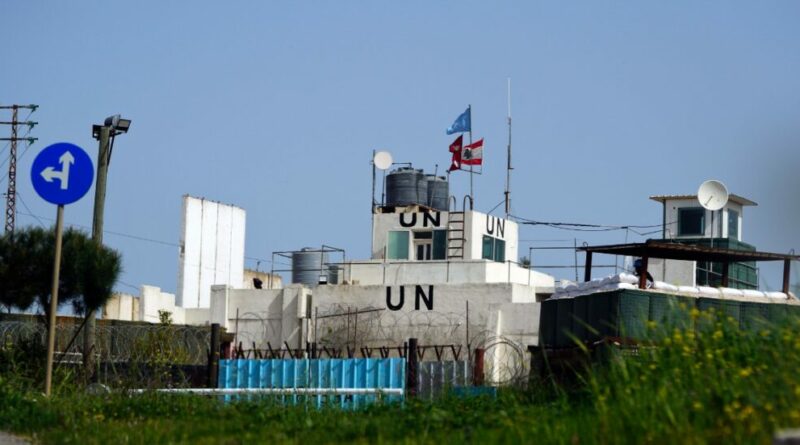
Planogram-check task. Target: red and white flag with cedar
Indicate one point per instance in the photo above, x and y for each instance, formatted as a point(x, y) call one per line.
point(472, 154)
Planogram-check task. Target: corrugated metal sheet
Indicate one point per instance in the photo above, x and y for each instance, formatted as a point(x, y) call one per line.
point(436, 377)
point(339, 374)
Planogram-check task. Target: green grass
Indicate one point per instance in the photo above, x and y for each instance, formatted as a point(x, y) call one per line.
point(709, 384)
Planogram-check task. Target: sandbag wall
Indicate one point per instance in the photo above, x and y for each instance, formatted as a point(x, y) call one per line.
point(626, 313)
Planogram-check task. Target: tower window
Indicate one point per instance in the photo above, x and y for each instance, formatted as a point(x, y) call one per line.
point(691, 221)
point(733, 224)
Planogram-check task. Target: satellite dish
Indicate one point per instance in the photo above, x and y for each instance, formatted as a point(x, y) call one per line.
point(382, 160)
point(712, 195)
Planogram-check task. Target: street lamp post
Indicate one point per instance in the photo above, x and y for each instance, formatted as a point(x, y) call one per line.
point(104, 134)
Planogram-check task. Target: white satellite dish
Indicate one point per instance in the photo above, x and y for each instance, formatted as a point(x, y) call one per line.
point(382, 160)
point(713, 195)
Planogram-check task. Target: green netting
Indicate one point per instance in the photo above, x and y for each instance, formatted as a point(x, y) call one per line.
point(777, 313)
point(730, 308)
point(564, 318)
point(580, 321)
point(633, 311)
point(603, 313)
point(754, 316)
point(670, 311)
point(547, 323)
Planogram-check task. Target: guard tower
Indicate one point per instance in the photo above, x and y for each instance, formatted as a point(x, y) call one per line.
point(686, 221)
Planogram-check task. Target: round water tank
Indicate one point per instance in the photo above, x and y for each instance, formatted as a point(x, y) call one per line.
point(438, 191)
point(406, 186)
point(307, 266)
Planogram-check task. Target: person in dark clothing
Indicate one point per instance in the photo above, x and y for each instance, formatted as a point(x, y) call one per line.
point(639, 270)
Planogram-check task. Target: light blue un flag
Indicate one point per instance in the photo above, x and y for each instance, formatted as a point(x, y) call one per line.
point(462, 123)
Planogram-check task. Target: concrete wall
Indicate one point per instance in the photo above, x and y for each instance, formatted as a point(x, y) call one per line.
point(679, 273)
point(122, 306)
point(479, 224)
point(212, 250)
point(434, 313)
point(476, 225)
point(273, 281)
point(383, 223)
point(152, 300)
point(454, 272)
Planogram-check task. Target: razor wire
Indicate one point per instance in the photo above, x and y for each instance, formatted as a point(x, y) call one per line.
point(506, 361)
point(185, 345)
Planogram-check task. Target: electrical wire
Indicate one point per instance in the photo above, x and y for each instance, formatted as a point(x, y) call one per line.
point(22, 201)
point(582, 227)
point(124, 235)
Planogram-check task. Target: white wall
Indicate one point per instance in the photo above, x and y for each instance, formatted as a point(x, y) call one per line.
point(480, 224)
point(454, 272)
point(383, 223)
point(679, 273)
point(212, 250)
point(476, 225)
point(152, 300)
point(673, 205)
point(278, 315)
point(121, 307)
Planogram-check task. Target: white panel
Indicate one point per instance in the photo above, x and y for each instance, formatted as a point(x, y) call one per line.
point(207, 252)
point(238, 221)
point(213, 239)
point(223, 248)
point(189, 262)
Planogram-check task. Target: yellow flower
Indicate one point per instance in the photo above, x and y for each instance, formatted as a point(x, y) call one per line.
point(745, 372)
point(717, 334)
point(697, 406)
point(694, 313)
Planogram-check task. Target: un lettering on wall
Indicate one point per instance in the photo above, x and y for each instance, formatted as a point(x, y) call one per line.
point(212, 250)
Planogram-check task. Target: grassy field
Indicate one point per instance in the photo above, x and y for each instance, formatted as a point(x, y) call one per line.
point(711, 383)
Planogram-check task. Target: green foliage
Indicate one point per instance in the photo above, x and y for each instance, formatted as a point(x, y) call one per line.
point(87, 276)
point(154, 355)
point(710, 383)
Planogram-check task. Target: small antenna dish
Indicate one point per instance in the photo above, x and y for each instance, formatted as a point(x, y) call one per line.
point(713, 195)
point(382, 160)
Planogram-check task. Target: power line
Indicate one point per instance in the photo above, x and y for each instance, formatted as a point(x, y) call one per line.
point(29, 210)
point(583, 227)
point(126, 235)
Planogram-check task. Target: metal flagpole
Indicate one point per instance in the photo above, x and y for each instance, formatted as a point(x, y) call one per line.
point(471, 195)
point(508, 168)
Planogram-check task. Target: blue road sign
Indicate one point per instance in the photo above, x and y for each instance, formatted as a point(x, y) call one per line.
point(62, 173)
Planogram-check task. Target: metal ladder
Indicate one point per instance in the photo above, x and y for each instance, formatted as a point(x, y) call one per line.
point(455, 235)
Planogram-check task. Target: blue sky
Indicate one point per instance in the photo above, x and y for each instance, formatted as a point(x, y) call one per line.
point(277, 106)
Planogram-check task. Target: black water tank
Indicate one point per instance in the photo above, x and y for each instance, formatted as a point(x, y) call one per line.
point(406, 186)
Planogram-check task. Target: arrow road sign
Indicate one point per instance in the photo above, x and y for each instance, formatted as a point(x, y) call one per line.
point(62, 173)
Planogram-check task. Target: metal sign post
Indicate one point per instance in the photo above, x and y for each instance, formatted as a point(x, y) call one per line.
point(61, 174)
point(51, 329)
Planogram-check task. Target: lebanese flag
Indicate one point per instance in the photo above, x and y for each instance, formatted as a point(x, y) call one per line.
point(455, 148)
point(473, 153)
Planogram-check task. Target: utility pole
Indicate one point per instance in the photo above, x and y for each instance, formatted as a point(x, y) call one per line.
point(105, 134)
point(11, 194)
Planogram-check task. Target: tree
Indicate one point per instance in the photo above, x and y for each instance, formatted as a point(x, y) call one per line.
point(86, 280)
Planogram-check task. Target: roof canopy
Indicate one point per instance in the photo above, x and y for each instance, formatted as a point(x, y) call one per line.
point(732, 198)
point(676, 251)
